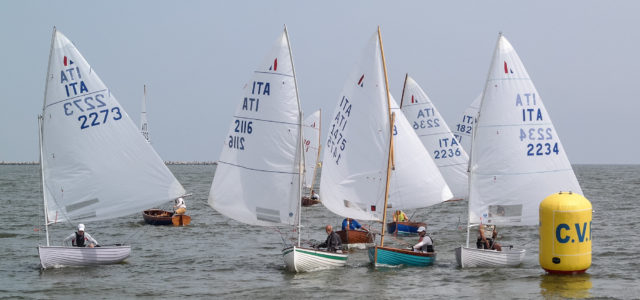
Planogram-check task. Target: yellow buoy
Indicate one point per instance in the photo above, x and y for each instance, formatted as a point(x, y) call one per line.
point(565, 233)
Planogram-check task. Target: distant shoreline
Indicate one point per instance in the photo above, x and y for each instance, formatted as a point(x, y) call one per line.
point(18, 163)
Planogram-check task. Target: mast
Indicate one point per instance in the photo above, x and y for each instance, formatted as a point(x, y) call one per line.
point(300, 138)
point(144, 123)
point(473, 137)
point(315, 169)
point(390, 154)
point(404, 86)
point(41, 137)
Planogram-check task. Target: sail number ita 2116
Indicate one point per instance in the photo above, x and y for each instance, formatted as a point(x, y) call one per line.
point(241, 127)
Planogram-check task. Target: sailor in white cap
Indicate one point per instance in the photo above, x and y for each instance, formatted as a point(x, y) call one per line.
point(425, 244)
point(81, 238)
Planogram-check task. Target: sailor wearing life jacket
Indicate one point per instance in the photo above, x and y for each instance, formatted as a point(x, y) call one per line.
point(425, 244)
point(81, 238)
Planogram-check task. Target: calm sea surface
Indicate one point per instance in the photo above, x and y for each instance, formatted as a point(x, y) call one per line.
point(219, 257)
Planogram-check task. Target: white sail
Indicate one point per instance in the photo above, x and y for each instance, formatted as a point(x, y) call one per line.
point(144, 125)
point(256, 181)
point(463, 130)
point(95, 163)
point(355, 159)
point(517, 159)
point(311, 147)
point(416, 180)
point(436, 137)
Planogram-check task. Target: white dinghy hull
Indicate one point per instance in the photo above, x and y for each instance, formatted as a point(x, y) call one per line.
point(305, 260)
point(58, 256)
point(472, 257)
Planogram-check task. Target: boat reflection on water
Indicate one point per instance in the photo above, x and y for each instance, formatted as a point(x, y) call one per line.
point(565, 286)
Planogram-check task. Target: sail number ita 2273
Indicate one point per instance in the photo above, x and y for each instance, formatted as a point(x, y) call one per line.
point(91, 110)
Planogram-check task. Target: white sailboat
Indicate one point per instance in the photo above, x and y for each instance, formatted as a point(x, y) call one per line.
point(94, 163)
point(144, 124)
point(364, 144)
point(311, 146)
point(463, 130)
point(258, 180)
point(436, 137)
point(516, 160)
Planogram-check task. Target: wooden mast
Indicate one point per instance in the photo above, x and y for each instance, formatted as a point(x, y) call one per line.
point(404, 86)
point(390, 154)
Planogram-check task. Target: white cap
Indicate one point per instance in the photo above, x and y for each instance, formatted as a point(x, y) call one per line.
point(80, 227)
point(421, 229)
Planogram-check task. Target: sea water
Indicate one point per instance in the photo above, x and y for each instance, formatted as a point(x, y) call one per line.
point(218, 257)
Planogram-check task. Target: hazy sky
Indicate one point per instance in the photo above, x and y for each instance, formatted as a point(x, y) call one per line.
point(195, 57)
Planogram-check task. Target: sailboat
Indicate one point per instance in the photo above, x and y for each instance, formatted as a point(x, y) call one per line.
point(94, 163)
point(311, 133)
point(516, 160)
point(258, 180)
point(463, 130)
point(436, 137)
point(156, 216)
point(144, 124)
point(364, 145)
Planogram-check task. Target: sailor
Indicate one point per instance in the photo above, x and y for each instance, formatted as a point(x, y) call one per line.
point(425, 244)
point(81, 238)
point(351, 224)
point(179, 208)
point(333, 242)
point(485, 242)
point(400, 216)
point(314, 195)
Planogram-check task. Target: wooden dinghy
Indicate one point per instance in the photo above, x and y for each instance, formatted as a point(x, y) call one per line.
point(163, 217)
point(388, 256)
point(356, 238)
point(307, 201)
point(404, 227)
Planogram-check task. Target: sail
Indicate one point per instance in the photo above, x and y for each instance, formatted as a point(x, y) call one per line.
point(517, 159)
point(144, 125)
point(256, 181)
point(436, 137)
point(416, 180)
point(311, 146)
point(96, 165)
point(463, 130)
point(355, 160)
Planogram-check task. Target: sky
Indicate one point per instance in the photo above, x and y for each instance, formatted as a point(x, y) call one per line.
point(195, 57)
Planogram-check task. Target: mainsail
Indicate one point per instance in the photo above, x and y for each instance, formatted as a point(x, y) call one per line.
point(311, 147)
point(257, 178)
point(436, 137)
point(463, 130)
point(95, 163)
point(517, 159)
point(355, 160)
point(144, 125)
